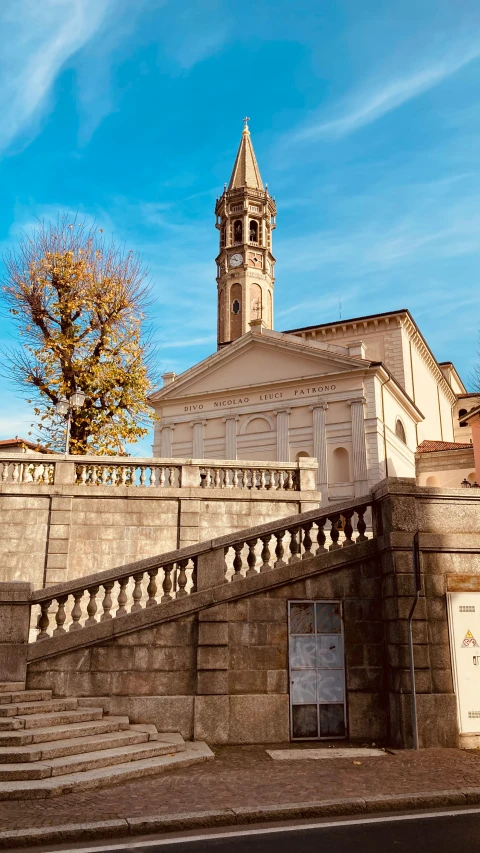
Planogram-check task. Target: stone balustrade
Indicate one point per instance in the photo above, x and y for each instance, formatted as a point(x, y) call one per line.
point(115, 471)
point(115, 593)
point(21, 469)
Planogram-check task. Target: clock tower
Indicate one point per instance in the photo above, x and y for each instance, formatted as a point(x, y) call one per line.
point(245, 217)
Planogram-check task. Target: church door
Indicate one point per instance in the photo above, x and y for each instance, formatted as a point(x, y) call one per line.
point(317, 670)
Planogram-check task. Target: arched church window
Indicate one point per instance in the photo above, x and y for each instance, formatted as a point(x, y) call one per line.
point(236, 306)
point(253, 231)
point(461, 414)
point(400, 431)
point(238, 231)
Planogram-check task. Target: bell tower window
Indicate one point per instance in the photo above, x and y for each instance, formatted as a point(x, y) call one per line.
point(236, 306)
point(254, 231)
point(238, 231)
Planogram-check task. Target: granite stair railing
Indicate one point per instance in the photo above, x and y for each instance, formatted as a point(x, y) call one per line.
point(116, 472)
point(115, 594)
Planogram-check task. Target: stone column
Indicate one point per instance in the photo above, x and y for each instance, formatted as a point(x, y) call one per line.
point(231, 437)
point(14, 627)
point(319, 417)
point(167, 435)
point(359, 461)
point(283, 444)
point(198, 438)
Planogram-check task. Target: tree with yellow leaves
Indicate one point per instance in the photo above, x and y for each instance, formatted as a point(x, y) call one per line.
point(79, 305)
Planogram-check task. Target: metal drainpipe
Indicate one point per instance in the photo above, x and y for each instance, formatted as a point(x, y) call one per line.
point(417, 579)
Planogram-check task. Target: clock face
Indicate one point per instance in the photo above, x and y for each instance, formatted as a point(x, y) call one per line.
point(236, 260)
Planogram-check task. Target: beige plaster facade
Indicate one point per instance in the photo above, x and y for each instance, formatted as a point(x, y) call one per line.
point(358, 395)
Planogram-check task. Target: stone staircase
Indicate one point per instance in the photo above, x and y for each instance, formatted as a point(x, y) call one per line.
point(51, 746)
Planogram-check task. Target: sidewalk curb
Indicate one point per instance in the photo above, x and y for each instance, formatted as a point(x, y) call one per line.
point(108, 829)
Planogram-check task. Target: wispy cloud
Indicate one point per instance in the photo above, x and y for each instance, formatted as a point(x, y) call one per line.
point(368, 106)
point(37, 40)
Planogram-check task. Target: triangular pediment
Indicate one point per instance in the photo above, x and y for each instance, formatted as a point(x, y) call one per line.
point(259, 360)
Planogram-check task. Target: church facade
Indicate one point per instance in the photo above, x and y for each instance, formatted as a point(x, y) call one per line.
point(359, 395)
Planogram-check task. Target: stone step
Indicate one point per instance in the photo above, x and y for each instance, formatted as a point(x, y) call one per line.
point(86, 761)
point(10, 724)
point(25, 696)
point(7, 686)
point(48, 706)
point(89, 779)
point(60, 718)
point(62, 732)
point(70, 746)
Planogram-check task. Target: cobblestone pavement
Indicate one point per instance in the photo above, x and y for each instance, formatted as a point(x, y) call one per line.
point(247, 776)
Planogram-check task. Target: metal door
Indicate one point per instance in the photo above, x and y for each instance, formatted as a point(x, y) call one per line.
point(464, 626)
point(317, 670)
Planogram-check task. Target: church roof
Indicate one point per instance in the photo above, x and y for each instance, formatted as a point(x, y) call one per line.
point(245, 171)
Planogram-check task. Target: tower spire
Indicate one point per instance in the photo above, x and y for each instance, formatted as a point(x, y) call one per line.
point(245, 171)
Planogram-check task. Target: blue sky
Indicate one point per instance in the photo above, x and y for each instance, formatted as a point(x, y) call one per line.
point(365, 119)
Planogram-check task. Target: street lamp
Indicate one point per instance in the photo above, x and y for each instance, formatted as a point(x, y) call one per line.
point(65, 408)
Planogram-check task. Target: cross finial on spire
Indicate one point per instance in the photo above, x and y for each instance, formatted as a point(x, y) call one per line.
point(245, 123)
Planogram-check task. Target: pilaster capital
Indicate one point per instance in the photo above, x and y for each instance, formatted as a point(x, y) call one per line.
point(198, 423)
point(318, 406)
point(231, 418)
point(357, 401)
point(282, 411)
point(168, 426)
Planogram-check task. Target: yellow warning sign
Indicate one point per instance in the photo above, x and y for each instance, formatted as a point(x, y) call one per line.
point(469, 639)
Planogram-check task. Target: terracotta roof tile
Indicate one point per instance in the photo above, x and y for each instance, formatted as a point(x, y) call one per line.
point(427, 446)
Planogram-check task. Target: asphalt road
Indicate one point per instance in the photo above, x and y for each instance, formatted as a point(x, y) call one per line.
point(446, 832)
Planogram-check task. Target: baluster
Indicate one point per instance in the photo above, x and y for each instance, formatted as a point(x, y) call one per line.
point(279, 549)
point(194, 574)
point(123, 478)
point(76, 611)
point(217, 478)
point(46, 473)
point(245, 478)
point(271, 479)
point(307, 540)
point(167, 583)
point(265, 555)
point(321, 538)
point(152, 588)
point(208, 478)
point(37, 472)
point(15, 472)
point(107, 602)
point(92, 606)
point(161, 481)
point(137, 592)
point(60, 615)
point(4, 472)
point(171, 479)
point(83, 474)
point(182, 578)
point(235, 478)
point(122, 597)
point(115, 475)
point(237, 561)
point(334, 532)
point(143, 475)
point(294, 544)
point(361, 525)
point(153, 475)
point(104, 475)
point(348, 529)
point(289, 485)
point(44, 621)
point(281, 479)
point(225, 552)
point(262, 479)
point(94, 479)
point(251, 557)
point(27, 473)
